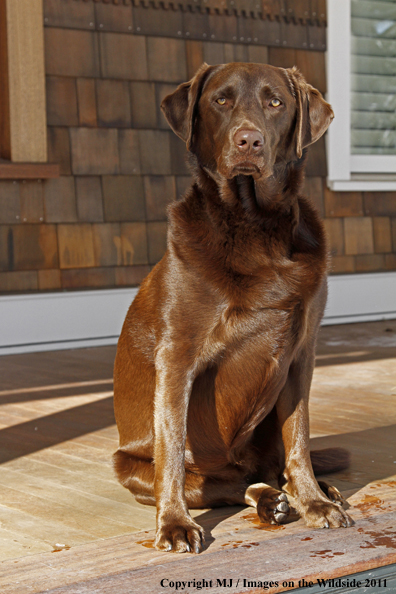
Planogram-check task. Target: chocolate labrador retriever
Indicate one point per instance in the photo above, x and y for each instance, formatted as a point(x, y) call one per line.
point(215, 359)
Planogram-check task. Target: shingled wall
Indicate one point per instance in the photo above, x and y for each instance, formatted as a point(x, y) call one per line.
point(102, 223)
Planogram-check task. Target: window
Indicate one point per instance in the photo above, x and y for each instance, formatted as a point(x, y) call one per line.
point(362, 90)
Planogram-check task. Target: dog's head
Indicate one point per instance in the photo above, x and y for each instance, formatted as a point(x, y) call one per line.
point(244, 118)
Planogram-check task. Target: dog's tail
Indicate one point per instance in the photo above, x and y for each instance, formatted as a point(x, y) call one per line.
point(330, 460)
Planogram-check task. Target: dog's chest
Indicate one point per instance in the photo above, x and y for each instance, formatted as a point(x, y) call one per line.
point(254, 285)
point(261, 329)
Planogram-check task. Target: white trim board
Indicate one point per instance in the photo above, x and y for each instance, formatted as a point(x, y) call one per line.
point(361, 186)
point(361, 298)
point(55, 321)
point(52, 321)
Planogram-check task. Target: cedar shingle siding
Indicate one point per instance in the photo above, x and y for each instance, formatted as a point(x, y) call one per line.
point(108, 66)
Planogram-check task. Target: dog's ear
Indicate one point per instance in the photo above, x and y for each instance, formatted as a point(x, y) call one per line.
point(180, 107)
point(314, 114)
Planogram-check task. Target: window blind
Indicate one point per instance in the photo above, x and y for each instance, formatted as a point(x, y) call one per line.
point(373, 77)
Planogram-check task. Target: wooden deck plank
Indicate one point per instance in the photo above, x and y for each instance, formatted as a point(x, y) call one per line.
point(100, 481)
point(238, 547)
point(57, 367)
point(65, 501)
point(64, 514)
point(39, 530)
point(57, 484)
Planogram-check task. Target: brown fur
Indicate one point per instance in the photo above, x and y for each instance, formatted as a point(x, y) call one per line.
point(215, 359)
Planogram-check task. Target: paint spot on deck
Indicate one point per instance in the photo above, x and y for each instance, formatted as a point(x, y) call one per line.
point(149, 544)
point(254, 519)
point(371, 502)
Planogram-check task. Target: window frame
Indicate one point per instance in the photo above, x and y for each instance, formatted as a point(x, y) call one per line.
point(348, 172)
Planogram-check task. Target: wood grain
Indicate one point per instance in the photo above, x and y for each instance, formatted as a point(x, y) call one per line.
point(10, 203)
point(115, 54)
point(60, 200)
point(194, 56)
point(86, 97)
point(335, 233)
point(94, 151)
point(370, 262)
point(382, 234)
point(379, 203)
point(340, 264)
point(81, 58)
point(114, 17)
point(32, 247)
point(143, 106)
point(342, 204)
point(76, 247)
point(18, 281)
point(89, 198)
point(58, 13)
point(5, 140)
point(239, 548)
point(359, 238)
point(61, 101)
point(32, 201)
point(59, 148)
point(28, 170)
point(114, 103)
point(25, 40)
point(49, 279)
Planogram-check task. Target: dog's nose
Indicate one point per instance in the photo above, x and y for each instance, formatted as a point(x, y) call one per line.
point(248, 140)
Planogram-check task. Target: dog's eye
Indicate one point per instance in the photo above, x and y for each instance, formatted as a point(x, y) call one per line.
point(275, 102)
point(221, 101)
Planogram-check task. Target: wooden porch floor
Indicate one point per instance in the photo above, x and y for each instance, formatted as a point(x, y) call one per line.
point(66, 525)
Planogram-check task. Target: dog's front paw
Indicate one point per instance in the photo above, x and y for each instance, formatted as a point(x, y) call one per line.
point(181, 535)
point(273, 506)
point(322, 514)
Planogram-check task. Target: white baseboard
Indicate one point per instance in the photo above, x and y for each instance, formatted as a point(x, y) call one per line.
point(361, 298)
point(54, 321)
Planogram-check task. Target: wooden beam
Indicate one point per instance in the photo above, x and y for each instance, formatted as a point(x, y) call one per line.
point(28, 170)
point(5, 141)
point(26, 77)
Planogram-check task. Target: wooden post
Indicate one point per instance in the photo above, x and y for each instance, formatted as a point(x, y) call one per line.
point(26, 79)
point(5, 141)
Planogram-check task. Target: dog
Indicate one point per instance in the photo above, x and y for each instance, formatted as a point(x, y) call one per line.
point(216, 355)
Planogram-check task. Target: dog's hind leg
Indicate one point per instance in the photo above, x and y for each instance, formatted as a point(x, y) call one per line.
point(135, 474)
point(201, 491)
point(332, 493)
point(272, 505)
